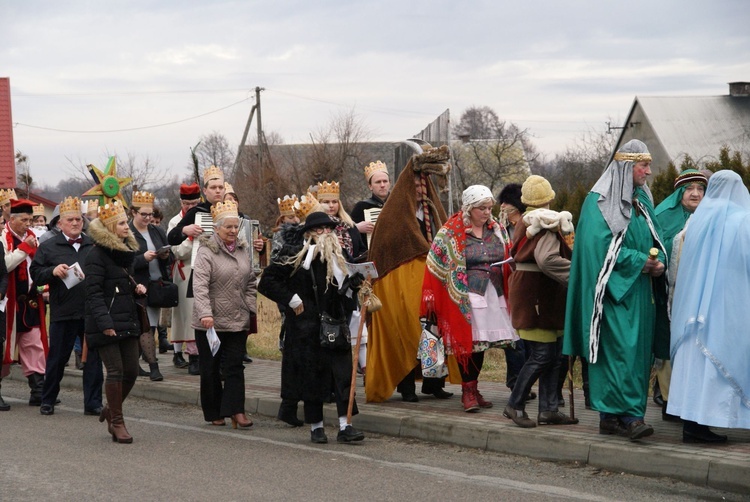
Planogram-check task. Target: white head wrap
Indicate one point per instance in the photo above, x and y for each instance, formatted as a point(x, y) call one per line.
point(474, 194)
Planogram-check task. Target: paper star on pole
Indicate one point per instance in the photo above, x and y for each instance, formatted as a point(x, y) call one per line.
point(108, 185)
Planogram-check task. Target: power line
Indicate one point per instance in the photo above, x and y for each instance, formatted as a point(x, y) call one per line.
point(128, 93)
point(134, 128)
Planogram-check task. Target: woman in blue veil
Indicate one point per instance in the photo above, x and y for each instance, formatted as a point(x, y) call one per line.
point(710, 315)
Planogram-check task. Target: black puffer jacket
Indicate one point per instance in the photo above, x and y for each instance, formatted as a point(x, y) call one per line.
point(109, 291)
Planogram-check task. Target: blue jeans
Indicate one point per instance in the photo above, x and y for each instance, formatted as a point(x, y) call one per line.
point(543, 364)
point(62, 336)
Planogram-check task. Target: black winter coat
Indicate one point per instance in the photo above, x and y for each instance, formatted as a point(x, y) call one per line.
point(140, 265)
point(307, 370)
point(110, 302)
point(65, 304)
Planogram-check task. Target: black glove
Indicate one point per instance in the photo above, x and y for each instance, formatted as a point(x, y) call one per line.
point(356, 280)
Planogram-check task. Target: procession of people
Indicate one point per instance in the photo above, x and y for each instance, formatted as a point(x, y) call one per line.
point(625, 286)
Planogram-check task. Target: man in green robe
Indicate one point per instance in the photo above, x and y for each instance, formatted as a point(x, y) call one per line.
point(616, 285)
point(672, 215)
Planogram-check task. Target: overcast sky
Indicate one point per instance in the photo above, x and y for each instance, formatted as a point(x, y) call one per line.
point(81, 72)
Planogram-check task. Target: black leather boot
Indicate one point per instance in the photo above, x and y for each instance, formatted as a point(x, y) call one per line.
point(36, 382)
point(155, 374)
point(164, 344)
point(194, 365)
point(3, 405)
point(179, 361)
point(693, 432)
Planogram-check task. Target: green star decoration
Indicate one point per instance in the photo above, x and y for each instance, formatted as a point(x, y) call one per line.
point(108, 186)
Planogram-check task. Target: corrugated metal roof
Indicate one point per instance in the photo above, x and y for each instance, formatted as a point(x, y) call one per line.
point(699, 126)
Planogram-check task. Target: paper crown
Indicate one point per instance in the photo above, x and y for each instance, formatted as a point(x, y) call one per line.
point(71, 206)
point(328, 191)
point(7, 195)
point(92, 207)
point(228, 188)
point(223, 210)
point(39, 210)
point(305, 206)
point(143, 199)
point(286, 205)
point(375, 167)
point(212, 173)
point(112, 212)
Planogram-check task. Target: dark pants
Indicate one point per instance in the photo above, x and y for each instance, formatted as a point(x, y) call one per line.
point(219, 401)
point(543, 364)
point(121, 361)
point(408, 385)
point(515, 358)
point(62, 337)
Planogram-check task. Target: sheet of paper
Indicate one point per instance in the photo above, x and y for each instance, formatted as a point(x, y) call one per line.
point(366, 269)
point(75, 276)
point(371, 215)
point(213, 341)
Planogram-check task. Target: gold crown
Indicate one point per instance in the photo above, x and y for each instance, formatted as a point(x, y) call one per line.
point(212, 173)
point(39, 210)
point(286, 205)
point(305, 205)
point(228, 188)
point(224, 209)
point(375, 167)
point(7, 195)
point(328, 191)
point(70, 205)
point(112, 212)
point(143, 199)
point(92, 207)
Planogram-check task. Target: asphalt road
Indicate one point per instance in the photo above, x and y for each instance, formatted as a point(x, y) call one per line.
point(175, 456)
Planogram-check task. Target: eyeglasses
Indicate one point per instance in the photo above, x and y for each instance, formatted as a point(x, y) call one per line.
point(321, 230)
point(146, 215)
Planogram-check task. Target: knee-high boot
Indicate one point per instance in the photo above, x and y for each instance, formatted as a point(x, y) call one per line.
point(117, 428)
point(127, 386)
point(36, 383)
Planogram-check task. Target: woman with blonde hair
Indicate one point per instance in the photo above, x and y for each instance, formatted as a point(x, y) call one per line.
point(349, 237)
point(112, 320)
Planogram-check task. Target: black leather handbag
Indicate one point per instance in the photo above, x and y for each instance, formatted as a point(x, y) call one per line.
point(162, 294)
point(334, 332)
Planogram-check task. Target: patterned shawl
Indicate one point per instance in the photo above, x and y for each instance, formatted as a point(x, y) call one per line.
point(445, 290)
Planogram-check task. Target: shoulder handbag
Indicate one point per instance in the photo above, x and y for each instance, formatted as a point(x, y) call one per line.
point(139, 307)
point(334, 332)
point(162, 293)
point(431, 353)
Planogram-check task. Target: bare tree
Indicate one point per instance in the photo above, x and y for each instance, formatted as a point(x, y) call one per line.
point(477, 122)
point(22, 168)
point(213, 150)
point(492, 152)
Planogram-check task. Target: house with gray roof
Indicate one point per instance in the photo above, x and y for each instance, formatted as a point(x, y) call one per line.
point(698, 126)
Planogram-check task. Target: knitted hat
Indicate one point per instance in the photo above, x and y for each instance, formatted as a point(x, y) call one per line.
point(689, 176)
point(476, 193)
point(536, 191)
point(511, 195)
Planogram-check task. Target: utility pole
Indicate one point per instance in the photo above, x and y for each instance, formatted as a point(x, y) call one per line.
point(255, 107)
point(261, 139)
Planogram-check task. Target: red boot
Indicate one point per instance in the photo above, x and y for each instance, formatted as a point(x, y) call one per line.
point(483, 403)
point(469, 396)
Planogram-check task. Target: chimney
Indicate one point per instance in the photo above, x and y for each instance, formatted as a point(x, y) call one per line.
point(739, 89)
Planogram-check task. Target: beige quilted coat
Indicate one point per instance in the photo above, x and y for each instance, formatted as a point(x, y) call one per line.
point(224, 285)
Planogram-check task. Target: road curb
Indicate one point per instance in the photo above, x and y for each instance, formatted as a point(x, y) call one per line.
point(711, 468)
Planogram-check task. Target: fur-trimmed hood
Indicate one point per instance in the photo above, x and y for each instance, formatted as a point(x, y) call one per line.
point(106, 239)
point(122, 251)
point(213, 242)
